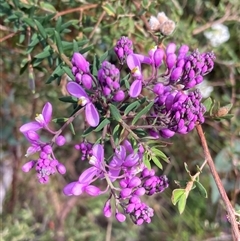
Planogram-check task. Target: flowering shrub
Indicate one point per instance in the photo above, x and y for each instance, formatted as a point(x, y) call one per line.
point(163, 104)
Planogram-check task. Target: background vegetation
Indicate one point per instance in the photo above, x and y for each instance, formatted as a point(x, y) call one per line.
point(32, 211)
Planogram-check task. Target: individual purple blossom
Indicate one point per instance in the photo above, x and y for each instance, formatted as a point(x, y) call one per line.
point(89, 175)
point(81, 70)
point(123, 48)
point(42, 120)
point(60, 140)
point(91, 112)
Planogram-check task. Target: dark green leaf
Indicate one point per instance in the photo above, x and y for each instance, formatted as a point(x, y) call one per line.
point(59, 24)
point(95, 66)
point(41, 29)
point(115, 113)
point(84, 50)
point(87, 131)
point(103, 57)
point(29, 22)
point(69, 99)
point(75, 46)
point(46, 53)
point(58, 42)
point(68, 72)
point(102, 125)
point(145, 110)
point(72, 128)
point(60, 120)
point(115, 134)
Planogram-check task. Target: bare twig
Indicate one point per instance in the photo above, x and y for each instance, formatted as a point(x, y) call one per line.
point(228, 205)
point(8, 36)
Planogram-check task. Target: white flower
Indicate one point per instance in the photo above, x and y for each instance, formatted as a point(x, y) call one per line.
point(217, 35)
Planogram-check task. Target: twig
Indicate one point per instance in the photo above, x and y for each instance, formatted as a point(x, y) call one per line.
point(229, 208)
point(8, 36)
point(96, 25)
point(72, 10)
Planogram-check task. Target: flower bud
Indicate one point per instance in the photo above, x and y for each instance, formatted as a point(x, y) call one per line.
point(140, 191)
point(119, 96)
point(158, 57)
point(120, 217)
point(125, 192)
point(33, 136)
point(87, 81)
point(130, 207)
point(61, 168)
point(60, 140)
point(28, 166)
point(47, 149)
point(134, 182)
point(166, 133)
point(131, 160)
point(107, 210)
point(92, 190)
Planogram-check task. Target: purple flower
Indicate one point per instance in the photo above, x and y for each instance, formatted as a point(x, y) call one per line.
point(91, 112)
point(80, 63)
point(123, 48)
point(89, 175)
point(42, 120)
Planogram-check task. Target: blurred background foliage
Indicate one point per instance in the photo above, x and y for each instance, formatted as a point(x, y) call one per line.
point(31, 211)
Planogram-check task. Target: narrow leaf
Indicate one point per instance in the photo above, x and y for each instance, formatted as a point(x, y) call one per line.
point(41, 29)
point(145, 110)
point(68, 99)
point(115, 113)
point(58, 42)
point(68, 72)
point(201, 189)
point(157, 162)
point(87, 131)
point(102, 125)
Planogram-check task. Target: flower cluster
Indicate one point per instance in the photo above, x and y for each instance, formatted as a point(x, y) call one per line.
point(46, 164)
point(107, 101)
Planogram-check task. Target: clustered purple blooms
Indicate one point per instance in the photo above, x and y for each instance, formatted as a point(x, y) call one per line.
point(134, 180)
point(85, 148)
point(46, 164)
point(123, 48)
point(109, 77)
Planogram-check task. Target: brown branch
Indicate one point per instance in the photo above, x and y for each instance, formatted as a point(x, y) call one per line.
point(96, 25)
point(8, 36)
point(72, 10)
point(228, 205)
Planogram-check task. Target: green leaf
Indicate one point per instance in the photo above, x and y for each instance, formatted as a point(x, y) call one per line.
point(41, 29)
point(115, 113)
point(47, 6)
point(102, 125)
point(68, 99)
point(146, 161)
point(69, 23)
point(160, 154)
point(182, 203)
point(68, 71)
point(125, 80)
point(29, 22)
point(72, 128)
point(115, 134)
point(88, 29)
point(84, 50)
point(60, 120)
point(87, 131)
point(46, 53)
point(104, 56)
point(208, 103)
point(58, 42)
point(157, 162)
point(75, 46)
point(145, 110)
point(176, 195)
point(96, 64)
point(201, 189)
point(22, 38)
point(109, 9)
point(58, 72)
point(186, 168)
point(58, 24)
point(132, 106)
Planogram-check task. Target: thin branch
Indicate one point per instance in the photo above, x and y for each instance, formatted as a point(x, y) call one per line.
point(229, 208)
point(8, 36)
point(96, 25)
point(72, 10)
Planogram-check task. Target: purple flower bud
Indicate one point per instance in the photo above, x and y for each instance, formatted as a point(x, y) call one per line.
point(119, 96)
point(28, 166)
point(145, 172)
point(92, 190)
point(106, 91)
point(171, 48)
point(47, 149)
point(123, 183)
point(107, 210)
point(87, 81)
point(135, 200)
point(32, 135)
point(61, 168)
point(158, 89)
point(140, 191)
point(78, 78)
point(120, 217)
point(80, 62)
point(60, 140)
point(125, 192)
point(183, 49)
point(166, 133)
point(120, 53)
point(134, 182)
point(153, 134)
point(171, 60)
point(158, 57)
point(176, 74)
point(116, 85)
point(139, 221)
point(131, 160)
point(127, 144)
point(130, 208)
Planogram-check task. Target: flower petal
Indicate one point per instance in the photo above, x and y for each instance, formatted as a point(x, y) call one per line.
point(98, 152)
point(133, 62)
point(92, 115)
point(92, 190)
point(76, 90)
point(67, 190)
point(87, 176)
point(47, 112)
point(135, 88)
point(31, 126)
